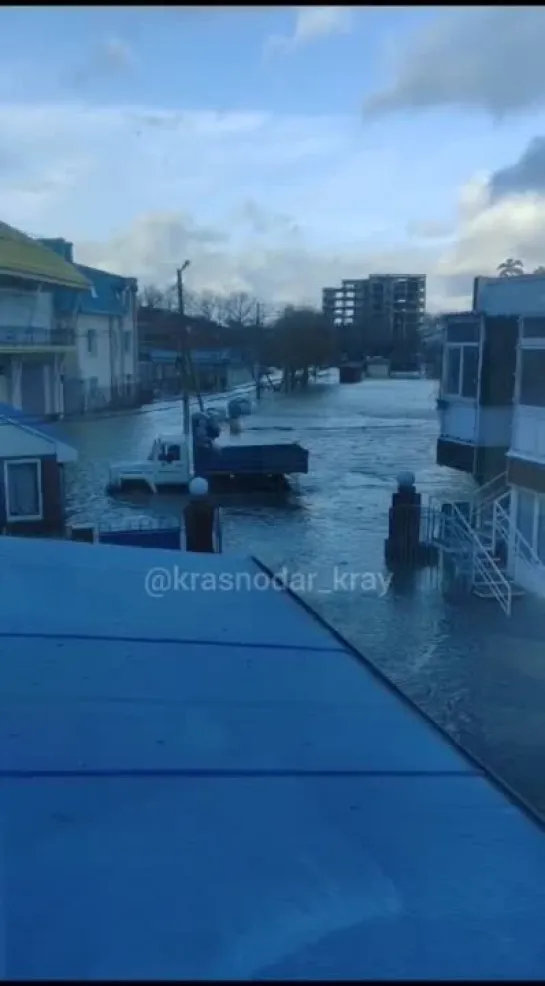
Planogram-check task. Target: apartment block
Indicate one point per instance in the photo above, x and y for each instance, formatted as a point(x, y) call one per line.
point(381, 314)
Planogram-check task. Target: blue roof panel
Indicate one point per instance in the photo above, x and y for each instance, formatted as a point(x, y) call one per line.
point(106, 296)
point(270, 878)
point(207, 784)
point(47, 431)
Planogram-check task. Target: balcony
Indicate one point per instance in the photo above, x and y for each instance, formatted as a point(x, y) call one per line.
point(17, 339)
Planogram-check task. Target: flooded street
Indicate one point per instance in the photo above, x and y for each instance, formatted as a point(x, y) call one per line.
point(477, 673)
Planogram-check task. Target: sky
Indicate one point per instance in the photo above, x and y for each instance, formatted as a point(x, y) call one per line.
point(279, 149)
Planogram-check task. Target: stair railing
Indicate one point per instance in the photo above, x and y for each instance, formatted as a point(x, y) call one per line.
point(457, 532)
point(519, 547)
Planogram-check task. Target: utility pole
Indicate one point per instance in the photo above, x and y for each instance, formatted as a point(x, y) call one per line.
point(184, 348)
point(259, 349)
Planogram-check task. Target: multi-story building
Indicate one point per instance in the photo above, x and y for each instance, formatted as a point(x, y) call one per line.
point(379, 316)
point(36, 340)
point(493, 405)
point(102, 370)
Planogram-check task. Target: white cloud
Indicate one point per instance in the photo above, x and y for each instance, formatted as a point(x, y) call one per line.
point(312, 24)
point(111, 57)
point(269, 204)
point(483, 58)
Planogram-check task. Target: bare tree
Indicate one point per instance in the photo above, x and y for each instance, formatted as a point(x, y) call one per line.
point(241, 309)
point(152, 296)
point(539, 270)
point(302, 340)
point(209, 305)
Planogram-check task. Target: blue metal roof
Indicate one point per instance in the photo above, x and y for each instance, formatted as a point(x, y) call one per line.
point(203, 357)
point(209, 785)
point(106, 296)
point(46, 431)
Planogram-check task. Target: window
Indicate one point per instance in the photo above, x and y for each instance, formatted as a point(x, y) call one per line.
point(525, 515)
point(23, 486)
point(462, 370)
point(470, 371)
point(533, 328)
point(92, 342)
point(453, 367)
point(532, 377)
point(127, 342)
point(463, 331)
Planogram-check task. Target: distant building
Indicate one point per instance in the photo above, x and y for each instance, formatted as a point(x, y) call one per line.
point(36, 340)
point(102, 370)
point(380, 315)
point(218, 364)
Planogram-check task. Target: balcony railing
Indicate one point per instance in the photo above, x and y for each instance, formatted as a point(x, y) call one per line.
point(19, 337)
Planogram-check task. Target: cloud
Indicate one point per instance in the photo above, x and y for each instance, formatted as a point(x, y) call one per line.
point(112, 57)
point(478, 58)
point(268, 204)
point(525, 175)
point(430, 229)
point(313, 24)
point(295, 270)
point(263, 222)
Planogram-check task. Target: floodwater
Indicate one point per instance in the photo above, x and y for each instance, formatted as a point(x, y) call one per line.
point(477, 673)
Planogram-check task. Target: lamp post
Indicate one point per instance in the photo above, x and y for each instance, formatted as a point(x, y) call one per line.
point(184, 346)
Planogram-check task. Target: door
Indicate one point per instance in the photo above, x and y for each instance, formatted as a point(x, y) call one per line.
point(33, 388)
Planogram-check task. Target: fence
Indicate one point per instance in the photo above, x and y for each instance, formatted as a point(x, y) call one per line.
point(80, 399)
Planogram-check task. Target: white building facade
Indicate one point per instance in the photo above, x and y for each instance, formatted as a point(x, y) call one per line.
point(493, 396)
point(526, 460)
point(35, 340)
point(102, 368)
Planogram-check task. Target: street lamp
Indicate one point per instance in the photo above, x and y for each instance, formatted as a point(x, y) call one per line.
point(184, 346)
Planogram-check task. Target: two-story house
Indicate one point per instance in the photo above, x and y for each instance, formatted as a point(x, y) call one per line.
point(492, 408)
point(36, 341)
point(103, 368)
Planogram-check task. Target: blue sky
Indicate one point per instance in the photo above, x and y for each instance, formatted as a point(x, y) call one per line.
point(282, 148)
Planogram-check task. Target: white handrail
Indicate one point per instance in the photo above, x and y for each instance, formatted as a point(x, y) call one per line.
point(487, 569)
point(484, 566)
point(484, 491)
point(508, 530)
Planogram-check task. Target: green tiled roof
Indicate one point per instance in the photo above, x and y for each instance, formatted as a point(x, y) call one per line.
point(22, 256)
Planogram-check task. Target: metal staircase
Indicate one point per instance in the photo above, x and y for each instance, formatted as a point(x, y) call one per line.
point(477, 561)
point(519, 548)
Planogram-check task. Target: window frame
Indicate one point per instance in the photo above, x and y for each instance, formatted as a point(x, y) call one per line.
point(92, 342)
point(448, 395)
point(531, 345)
point(538, 500)
point(18, 518)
